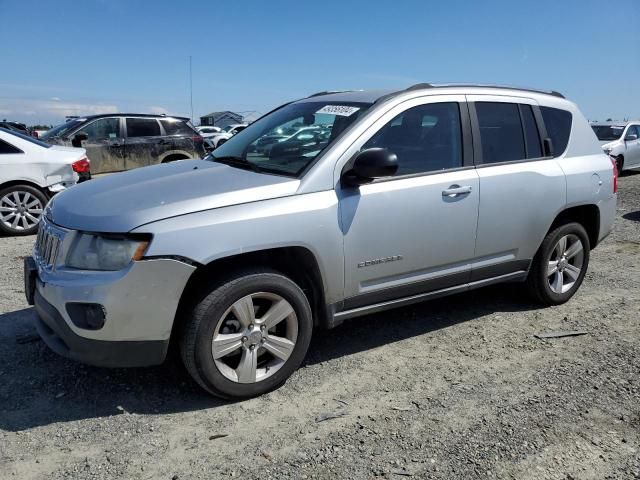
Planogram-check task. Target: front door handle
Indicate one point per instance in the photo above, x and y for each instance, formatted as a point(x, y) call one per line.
point(456, 190)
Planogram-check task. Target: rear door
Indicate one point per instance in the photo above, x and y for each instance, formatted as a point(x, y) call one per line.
point(144, 144)
point(521, 189)
point(104, 144)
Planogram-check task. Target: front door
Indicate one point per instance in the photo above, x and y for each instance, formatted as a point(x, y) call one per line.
point(413, 232)
point(632, 156)
point(104, 145)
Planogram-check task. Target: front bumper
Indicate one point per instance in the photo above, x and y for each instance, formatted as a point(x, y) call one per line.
point(139, 302)
point(59, 337)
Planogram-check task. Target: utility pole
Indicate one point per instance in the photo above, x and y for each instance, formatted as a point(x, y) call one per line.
point(191, 88)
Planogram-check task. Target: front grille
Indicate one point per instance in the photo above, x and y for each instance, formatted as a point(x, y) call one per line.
point(47, 245)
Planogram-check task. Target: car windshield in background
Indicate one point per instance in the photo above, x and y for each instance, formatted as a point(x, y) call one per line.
point(288, 140)
point(607, 132)
point(26, 137)
point(60, 130)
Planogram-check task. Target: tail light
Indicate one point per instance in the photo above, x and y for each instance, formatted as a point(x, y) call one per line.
point(81, 166)
point(615, 174)
point(197, 139)
point(34, 134)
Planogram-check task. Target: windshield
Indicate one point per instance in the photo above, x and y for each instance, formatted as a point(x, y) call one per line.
point(25, 137)
point(60, 130)
point(288, 140)
point(608, 132)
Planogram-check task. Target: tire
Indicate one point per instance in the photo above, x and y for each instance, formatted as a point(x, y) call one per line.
point(557, 272)
point(21, 208)
point(221, 142)
point(619, 164)
point(245, 366)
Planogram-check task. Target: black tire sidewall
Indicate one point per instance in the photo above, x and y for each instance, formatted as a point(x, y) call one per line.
point(549, 244)
point(33, 191)
point(209, 374)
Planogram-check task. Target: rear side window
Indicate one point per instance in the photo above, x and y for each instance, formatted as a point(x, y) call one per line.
point(558, 124)
point(501, 132)
point(532, 139)
point(427, 138)
point(7, 148)
point(177, 127)
point(142, 127)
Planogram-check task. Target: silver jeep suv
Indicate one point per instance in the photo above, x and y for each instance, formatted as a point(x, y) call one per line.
point(401, 197)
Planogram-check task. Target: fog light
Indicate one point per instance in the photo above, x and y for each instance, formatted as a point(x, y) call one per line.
point(89, 316)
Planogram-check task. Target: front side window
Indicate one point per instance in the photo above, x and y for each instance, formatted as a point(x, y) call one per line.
point(288, 140)
point(633, 130)
point(7, 148)
point(426, 138)
point(142, 127)
point(102, 129)
point(501, 132)
point(558, 125)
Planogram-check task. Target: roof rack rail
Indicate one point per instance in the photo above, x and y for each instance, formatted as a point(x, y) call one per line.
point(328, 92)
point(420, 86)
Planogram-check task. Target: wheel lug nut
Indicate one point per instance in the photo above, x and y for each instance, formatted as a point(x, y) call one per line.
point(262, 340)
point(262, 328)
point(244, 339)
point(252, 347)
point(250, 326)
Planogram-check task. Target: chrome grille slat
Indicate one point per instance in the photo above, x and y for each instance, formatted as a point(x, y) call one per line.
point(47, 245)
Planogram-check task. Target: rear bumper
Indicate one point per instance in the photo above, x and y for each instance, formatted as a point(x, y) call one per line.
point(607, 216)
point(61, 339)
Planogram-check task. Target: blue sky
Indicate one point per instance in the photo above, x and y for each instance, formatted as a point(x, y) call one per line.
point(86, 57)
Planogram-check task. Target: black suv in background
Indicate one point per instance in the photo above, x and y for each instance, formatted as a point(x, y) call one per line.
point(122, 141)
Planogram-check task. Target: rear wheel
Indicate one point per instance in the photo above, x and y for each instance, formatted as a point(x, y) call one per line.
point(247, 335)
point(21, 208)
point(560, 265)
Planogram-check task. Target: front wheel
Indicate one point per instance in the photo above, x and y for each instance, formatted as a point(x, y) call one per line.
point(619, 164)
point(21, 208)
point(560, 265)
point(247, 335)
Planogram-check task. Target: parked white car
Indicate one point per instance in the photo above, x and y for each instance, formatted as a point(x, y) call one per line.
point(207, 131)
point(31, 172)
point(620, 140)
point(217, 139)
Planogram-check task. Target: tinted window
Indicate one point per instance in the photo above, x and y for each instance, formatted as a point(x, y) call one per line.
point(558, 124)
point(6, 148)
point(500, 132)
point(608, 133)
point(177, 127)
point(426, 138)
point(534, 150)
point(61, 130)
point(142, 127)
point(102, 129)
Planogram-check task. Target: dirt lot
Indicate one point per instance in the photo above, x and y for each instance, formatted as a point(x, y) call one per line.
point(456, 388)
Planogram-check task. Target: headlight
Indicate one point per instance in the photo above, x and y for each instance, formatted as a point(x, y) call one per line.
point(96, 252)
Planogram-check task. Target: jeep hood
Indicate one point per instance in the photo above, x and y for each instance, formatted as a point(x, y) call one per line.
point(124, 201)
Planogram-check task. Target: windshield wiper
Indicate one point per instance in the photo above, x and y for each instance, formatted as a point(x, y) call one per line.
point(238, 162)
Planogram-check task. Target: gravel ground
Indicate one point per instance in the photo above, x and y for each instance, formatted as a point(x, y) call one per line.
point(454, 388)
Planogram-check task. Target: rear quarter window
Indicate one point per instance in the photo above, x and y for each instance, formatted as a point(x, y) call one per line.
point(177, 127)
point(558, 125)
point(7, 148)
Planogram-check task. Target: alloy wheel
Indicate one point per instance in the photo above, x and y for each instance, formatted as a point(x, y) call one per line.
point(565, 263)
point(255, 337)
point(20, 210)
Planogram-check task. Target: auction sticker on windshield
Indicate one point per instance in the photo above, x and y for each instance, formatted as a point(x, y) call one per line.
point(340, 110)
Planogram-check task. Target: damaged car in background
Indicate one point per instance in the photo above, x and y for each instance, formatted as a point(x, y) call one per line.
point(31, 172)
point(123, 141)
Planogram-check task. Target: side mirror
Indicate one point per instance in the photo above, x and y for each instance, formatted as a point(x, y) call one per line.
point(370, 164)
point(78, 138)
point(631, 137)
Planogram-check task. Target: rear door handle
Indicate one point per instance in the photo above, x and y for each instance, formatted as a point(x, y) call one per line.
point(456, 190)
